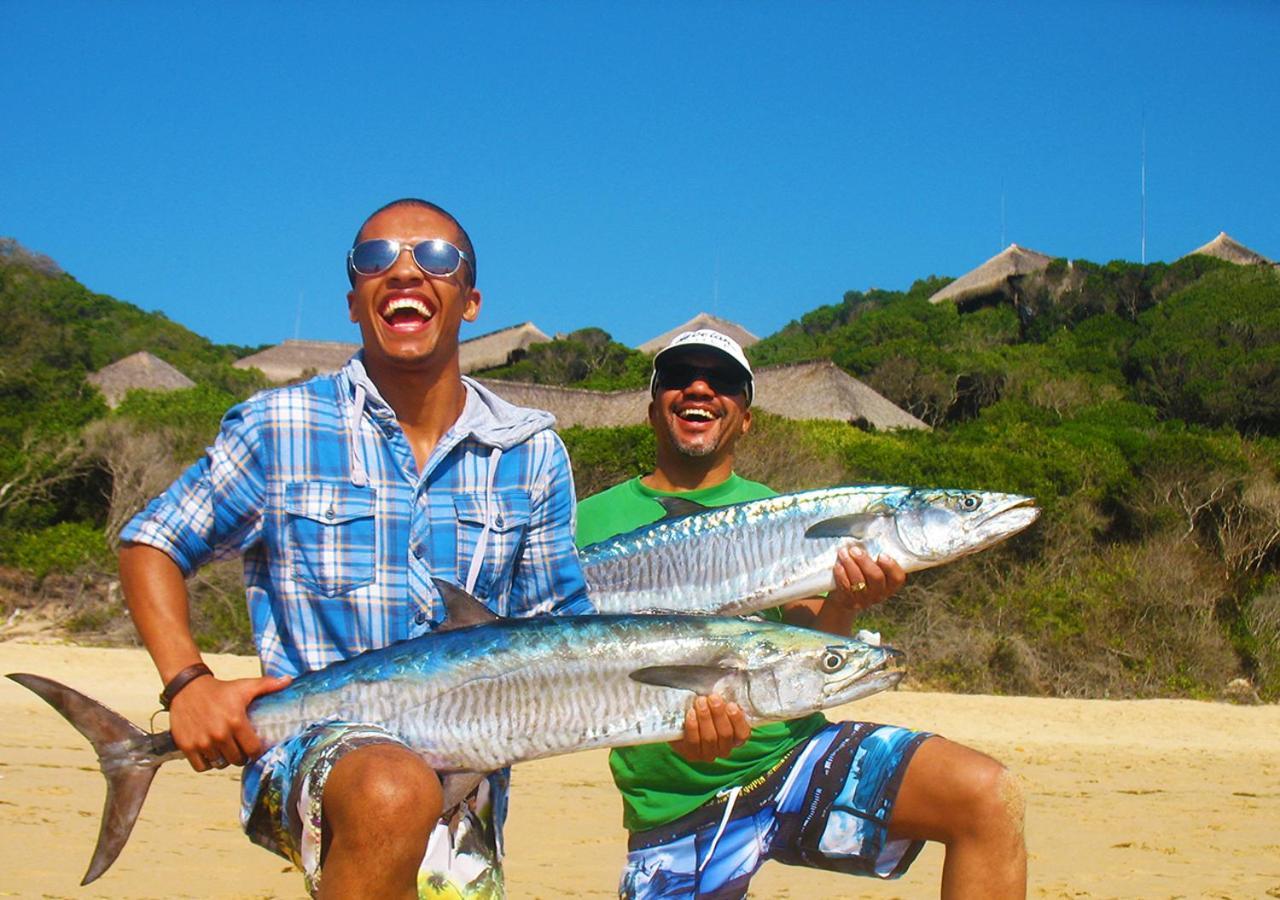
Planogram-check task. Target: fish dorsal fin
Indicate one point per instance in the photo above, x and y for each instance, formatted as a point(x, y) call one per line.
point(461, 609)
point(855, 526)
point(698, 679)
point(679, 507)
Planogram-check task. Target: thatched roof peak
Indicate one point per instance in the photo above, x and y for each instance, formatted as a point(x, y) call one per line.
point(294, 358)
point(1224, 246)
point(523, 327)
point(701, 320)
point(497, 348)
point(138, 371)
point(992, 277)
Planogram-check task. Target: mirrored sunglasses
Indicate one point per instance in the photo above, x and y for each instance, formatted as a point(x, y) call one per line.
point(728, 382)
point(436, 257)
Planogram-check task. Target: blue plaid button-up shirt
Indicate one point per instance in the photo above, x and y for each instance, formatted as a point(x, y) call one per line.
point(316, 487)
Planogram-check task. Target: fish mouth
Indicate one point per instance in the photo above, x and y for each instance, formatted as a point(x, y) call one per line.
point(1010, 516)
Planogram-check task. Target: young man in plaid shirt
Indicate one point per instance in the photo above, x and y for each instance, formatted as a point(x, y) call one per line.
point(345, 495)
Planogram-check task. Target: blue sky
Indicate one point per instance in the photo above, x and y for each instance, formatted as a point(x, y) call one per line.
point(623, 165)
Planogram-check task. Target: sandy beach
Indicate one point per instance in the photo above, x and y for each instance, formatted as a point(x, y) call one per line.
point(1159, 798)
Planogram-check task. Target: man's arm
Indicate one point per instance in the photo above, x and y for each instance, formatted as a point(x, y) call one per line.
point(213, 508)
point(208, 717)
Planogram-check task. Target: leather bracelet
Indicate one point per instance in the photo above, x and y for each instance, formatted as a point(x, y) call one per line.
point(181, 680)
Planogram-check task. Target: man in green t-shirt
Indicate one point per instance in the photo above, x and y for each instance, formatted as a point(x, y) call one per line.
point(705, 812)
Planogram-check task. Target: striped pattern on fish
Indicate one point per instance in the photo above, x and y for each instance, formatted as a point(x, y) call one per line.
point(482, 698)
point(738, 559)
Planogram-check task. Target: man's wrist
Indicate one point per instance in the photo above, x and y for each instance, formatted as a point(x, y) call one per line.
point(181, 680)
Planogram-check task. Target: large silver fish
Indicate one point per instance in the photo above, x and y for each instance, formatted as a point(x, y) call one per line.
point(737, 559)
point(482, 693)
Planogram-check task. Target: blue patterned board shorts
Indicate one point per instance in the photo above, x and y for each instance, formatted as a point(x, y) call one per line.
point(464, 855)
point(826, 806)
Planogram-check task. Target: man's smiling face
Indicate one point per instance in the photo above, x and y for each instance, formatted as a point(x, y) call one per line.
point(695, 419)
point(408, 319)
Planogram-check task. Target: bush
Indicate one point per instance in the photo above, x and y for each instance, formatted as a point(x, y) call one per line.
point(602, 457)
point(64, 548)
point(1212, 352)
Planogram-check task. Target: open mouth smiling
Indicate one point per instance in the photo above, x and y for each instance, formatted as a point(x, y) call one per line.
point(696, 414)
point(406, 312)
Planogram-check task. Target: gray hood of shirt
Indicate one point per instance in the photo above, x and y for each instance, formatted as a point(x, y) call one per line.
point(486, 417)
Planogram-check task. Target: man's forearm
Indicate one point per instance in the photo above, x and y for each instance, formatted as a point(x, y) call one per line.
point(819, 614)
point(156, 594)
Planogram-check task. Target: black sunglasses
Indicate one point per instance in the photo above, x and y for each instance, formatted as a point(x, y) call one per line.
point(436, 257)
point(728, 382)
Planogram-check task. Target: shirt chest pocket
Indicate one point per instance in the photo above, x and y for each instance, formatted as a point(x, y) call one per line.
point(333, 536)
point(508, 520)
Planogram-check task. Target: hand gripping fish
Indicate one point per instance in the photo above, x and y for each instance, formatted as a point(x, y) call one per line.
point(481, 693)
point(732, 560)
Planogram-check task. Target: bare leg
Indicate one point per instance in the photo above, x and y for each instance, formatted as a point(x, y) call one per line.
point(972, 804)
point(380, 805)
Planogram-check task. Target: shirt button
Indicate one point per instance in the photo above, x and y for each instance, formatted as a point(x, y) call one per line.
point(498, 521)
point(420, 618)
point(329, 513)
point(418, 552)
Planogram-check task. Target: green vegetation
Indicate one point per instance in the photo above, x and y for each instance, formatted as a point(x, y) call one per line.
point(588, 358)
point(60, 475)
point(1139, 404)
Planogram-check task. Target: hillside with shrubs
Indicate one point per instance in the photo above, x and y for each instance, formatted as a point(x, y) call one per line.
point(1139, 404)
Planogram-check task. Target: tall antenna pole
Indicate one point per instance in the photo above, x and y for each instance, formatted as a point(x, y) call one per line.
point(715, 287)
point(1144, 187)
point(1003, 244)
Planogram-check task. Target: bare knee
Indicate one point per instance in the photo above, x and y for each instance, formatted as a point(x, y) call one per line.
point(952, 793)
point(987, 797)
point(382, 790)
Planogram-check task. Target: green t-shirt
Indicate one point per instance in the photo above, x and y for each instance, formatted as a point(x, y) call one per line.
point(657, 784)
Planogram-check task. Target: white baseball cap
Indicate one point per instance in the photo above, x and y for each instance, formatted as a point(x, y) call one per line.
point(703, 339)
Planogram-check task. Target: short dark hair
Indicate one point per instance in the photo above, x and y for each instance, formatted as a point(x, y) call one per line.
point(463, 238)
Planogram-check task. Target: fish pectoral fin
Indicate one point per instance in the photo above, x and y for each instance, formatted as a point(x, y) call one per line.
point(679, 507)
point(461, 609)
point(457, 786)
point(701, 680)
point(855, 526)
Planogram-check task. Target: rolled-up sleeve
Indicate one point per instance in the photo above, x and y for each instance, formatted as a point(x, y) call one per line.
point(214, 509)
point(548, 578)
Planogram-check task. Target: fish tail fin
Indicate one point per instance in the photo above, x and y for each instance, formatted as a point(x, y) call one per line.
point(127, 755)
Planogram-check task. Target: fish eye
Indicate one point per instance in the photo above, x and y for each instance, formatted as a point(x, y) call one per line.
point(832, 661)
point(970, 502)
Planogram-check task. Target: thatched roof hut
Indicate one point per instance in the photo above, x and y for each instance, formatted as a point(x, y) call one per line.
point(139, 371)
point(810, 390)
point(822, 390)
point(293, 359)
point(497, 348)
point(1226, 247)
point(575, 406)
point(701, 320)
point(995, 278)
